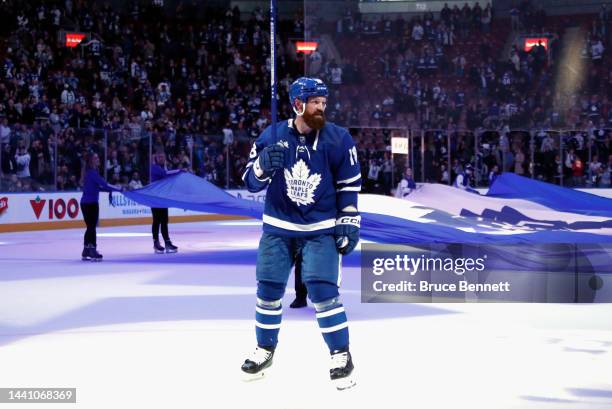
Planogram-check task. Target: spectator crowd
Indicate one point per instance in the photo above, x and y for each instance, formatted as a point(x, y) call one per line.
point(193, 84)
point(453, 79)
point(143, 81)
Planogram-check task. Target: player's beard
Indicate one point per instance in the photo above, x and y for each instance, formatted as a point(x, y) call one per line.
point(315, 121)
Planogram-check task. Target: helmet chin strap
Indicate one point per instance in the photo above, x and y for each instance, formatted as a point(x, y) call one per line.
point(296, 111)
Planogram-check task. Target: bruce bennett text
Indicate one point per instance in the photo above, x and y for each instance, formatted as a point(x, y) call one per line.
point(425, 286)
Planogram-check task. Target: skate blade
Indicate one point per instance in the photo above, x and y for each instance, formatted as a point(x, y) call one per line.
point(345, 383)
point(171, 251)
point(96, 260)
point(251, 377)
point(159, 251)
point(86, 258)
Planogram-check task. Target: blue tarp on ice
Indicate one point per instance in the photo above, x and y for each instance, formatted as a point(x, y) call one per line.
point(511, 186)
point(186, 191)
point(435, 214)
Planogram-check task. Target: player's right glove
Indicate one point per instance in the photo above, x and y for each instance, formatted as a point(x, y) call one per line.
point(347, 231)
point(271, 159)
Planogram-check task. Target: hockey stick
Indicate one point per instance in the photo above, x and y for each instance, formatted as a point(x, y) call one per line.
point(273, 65)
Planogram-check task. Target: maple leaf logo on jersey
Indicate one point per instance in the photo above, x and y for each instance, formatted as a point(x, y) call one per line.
point(301, 185)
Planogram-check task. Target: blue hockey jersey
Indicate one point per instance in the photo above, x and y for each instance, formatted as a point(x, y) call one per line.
point(321, 177)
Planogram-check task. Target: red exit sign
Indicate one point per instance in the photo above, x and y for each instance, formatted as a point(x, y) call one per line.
point(533, 41)
point(74, 39)
point(306, 47)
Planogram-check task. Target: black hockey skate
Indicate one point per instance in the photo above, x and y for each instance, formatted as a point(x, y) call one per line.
point(341, 371)
point(159, 249)
point(257, 364)
point(170, 248)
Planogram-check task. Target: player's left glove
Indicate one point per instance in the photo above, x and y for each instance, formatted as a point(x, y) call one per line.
point(347, 231)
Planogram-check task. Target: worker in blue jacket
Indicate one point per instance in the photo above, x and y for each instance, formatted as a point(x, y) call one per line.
point(93, 184)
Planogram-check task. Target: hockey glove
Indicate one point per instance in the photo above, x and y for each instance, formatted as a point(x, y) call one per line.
point(271, 158)
point(347, 231)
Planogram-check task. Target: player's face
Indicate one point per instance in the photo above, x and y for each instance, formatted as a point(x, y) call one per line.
point(314, 114)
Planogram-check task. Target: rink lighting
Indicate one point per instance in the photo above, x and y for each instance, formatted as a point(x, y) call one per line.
point(124, 234)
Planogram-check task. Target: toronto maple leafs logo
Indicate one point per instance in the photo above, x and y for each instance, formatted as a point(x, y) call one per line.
point(301, 185)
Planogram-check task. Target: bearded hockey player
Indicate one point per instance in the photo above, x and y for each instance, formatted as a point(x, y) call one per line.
point(313, 177)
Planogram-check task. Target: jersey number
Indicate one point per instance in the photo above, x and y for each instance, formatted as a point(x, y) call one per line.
point(353, 155)
point(253, 152)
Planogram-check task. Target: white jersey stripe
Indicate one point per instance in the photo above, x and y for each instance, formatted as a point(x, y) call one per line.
point(350, 189)
point(339, 270)
point(350, 180)
point(282, 224)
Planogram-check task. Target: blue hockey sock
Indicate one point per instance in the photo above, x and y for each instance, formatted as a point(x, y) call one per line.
point(330, 314)
point(268, 313)
point(334, 326)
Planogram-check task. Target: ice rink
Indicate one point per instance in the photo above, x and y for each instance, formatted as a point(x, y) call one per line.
point(141, 330)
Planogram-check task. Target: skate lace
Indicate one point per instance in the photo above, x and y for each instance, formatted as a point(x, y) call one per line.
point(339, 360)
point(260, 355)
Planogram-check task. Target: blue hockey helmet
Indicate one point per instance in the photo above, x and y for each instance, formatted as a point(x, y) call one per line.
point(304, 88)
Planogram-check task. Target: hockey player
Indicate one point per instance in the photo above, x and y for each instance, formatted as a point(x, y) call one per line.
point(313, 177)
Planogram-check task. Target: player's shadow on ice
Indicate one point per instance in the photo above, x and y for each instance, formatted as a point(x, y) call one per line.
point(605, 394)
point(213, 307)
point(225, 286)
point(547, 399)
